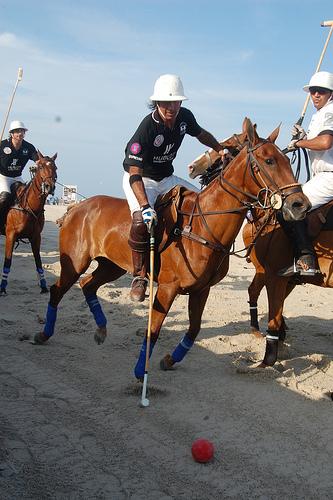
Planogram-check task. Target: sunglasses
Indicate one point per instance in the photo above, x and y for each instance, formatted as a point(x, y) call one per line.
point(318, 90)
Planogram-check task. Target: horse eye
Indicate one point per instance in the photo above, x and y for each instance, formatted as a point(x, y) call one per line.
point(269, 161)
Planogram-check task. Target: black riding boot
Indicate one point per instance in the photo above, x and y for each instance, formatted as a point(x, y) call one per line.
point(5, 202)
point(139, 242)
point(305, 260)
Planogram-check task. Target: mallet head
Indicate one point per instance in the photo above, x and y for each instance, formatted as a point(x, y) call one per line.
point(327, 23)
point(144, 402)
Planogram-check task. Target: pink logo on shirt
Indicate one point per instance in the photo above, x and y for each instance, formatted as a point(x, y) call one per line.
point(135, 148)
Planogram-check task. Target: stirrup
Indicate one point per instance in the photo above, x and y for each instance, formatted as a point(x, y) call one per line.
point(297, 269)
point(289, 271)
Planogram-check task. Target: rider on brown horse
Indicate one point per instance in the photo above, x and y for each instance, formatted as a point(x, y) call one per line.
point(319, 190)
point(148, 165)
point(15, 153)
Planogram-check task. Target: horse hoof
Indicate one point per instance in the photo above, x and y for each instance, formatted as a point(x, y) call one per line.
point(44, 290)
point(100, 335)
point(167, 363)
point(257, 333)
point(40, 338)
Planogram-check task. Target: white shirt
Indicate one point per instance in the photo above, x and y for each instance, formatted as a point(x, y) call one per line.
point(321, 161)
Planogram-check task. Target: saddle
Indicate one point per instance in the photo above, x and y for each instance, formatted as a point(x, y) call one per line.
point(167, 207)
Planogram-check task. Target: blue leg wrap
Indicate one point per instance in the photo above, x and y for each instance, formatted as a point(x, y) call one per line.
point(96, 309)
point(139, 369)
point(4, 281)
point(42, 280)
point(182, 349)
point(43, 283)
point(51, 317)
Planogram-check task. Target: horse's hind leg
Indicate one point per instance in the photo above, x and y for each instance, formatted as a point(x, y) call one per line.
point(105, 272)
point(196, 305)
point(35, 246)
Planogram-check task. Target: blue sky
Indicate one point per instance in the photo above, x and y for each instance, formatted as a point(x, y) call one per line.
point(93, 64)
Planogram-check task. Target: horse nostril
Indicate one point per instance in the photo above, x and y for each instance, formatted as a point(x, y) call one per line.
point(298, 204)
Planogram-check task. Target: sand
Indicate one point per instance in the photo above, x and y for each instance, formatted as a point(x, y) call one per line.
point(70, 422)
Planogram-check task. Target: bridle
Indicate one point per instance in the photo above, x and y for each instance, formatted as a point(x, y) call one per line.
point(266, 198)
point(40, 185)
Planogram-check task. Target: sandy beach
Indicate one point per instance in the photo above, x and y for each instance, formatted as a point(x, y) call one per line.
point(70, 422)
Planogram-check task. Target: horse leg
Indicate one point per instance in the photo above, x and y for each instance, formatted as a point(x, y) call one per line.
point(254, 291)
point(196, 305)
point(35, 246)
point(68, 276)
point(164, 298)
point(9, 248)
point(105, 272)
point(284, 325)
point(276, 292)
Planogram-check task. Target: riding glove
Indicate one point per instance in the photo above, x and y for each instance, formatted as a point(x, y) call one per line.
point(149, 216)
point(298, 132)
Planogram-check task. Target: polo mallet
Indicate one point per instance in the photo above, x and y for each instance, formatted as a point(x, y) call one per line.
point(301, 118)
point(324, 23)
point(144, 400)
point(19, 78)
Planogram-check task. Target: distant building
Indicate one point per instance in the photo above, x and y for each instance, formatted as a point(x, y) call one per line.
point(69, 194)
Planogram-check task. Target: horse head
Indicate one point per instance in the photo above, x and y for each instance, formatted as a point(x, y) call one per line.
point(46, 173)
point(270, 171)
point(211, 159)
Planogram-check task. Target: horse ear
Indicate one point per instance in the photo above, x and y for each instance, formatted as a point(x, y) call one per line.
point(273, 136)
point(54, 157)
point(250, 130)
point(40, 156)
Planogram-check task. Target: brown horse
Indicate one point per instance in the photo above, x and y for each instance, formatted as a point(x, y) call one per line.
point(272, 252)
point(25, 220)
point(196, 241)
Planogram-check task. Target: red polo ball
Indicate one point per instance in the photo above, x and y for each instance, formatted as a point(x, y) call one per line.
point(202, 450)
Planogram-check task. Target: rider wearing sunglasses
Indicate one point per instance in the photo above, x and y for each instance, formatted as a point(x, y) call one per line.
point(319, 189)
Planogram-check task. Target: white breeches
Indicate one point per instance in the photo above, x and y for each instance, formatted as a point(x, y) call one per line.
point(153, 189)
point(319, 189)
point(6, 182)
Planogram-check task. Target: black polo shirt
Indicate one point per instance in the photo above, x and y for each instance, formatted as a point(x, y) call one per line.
point(154, 146)
point(13, 161)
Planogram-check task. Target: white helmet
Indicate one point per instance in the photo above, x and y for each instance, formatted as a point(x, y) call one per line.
point(322, 79)
point(168, 88)
point(15, 125)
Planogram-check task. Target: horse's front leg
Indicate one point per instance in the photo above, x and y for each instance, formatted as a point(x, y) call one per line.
point(35, 246)
point(254, 291)
point(9, 248)
point(164, 298)
point(276, 292)
point(196, 305)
